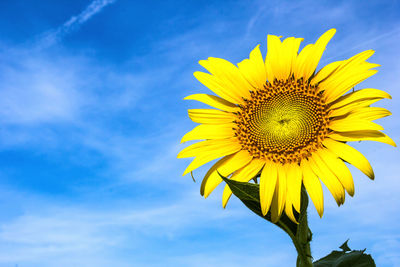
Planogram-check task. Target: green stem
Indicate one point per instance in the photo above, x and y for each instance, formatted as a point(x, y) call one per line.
point(301, 239)
point(303, 235)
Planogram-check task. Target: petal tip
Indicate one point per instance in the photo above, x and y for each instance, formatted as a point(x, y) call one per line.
point(320, 213)
point(264, 211)
point(274, 220)
point(371, 175)
point(188, 169)
point(331, 31)
point(196, 73)
point(271, 36)
point(370, 52)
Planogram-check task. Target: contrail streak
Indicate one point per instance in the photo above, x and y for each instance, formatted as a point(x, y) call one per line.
point(53, 36)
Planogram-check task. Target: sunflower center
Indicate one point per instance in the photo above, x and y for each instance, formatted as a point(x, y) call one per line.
point(284, 122)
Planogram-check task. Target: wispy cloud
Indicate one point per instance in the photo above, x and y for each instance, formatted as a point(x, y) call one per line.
point(39, 88)
point(63, 234)
point(53, 36)
point(377, 38)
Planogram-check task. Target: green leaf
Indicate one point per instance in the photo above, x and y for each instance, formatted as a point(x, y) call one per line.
point(249, 194)
point(345, 247)
point(354, 258)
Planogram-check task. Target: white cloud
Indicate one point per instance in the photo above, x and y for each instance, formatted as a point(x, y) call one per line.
point(35, 90)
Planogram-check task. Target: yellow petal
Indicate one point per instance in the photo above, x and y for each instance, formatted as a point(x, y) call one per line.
point(362, 135)
point(356, 61)
point(282, 186)
point(294, 179)
point(210, 116)
point(289, 209)
point(339, 168)
point(191, 151)
point(253, 69)
point(214, 101)
point(353, 106)
point(245, 174)
point(212, 178)
point(345, 84)
point(268, 179)
point(328, 178)
point(268, 70)
point(369, 113)
point(349, 125)
point(282, 56)
point(301, 61)
point(210, 131)
point(278, 200)
point(358, 95)
point(290, 48)
point(348, 74)
point(215, 85)
point(205, 147)
point(313, 187)
point(228, 75)
point(225, 167)
point(308, 60)
point(325, 72)
point(350, 155)
point(318, 50)
point(272, 64)
point(205, 158)
point(208, 150)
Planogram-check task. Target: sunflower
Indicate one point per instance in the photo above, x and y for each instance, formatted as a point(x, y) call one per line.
point(280, 120)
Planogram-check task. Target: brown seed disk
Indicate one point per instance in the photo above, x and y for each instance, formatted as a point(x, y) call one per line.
point(284, 122)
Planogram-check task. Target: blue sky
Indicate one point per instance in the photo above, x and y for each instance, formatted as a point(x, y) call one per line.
point(91, 115)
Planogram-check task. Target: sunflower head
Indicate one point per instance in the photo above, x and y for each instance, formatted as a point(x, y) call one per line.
point(280, 122)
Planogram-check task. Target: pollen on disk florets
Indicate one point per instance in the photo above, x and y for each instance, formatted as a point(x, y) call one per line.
point(284, 122)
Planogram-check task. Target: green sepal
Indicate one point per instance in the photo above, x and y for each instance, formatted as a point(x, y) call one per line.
point(249, 194)
point(344, 258)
